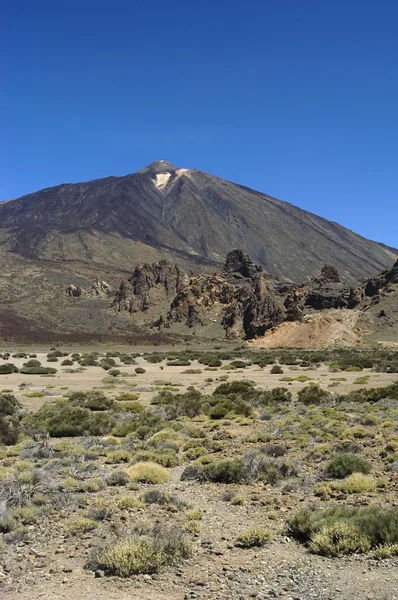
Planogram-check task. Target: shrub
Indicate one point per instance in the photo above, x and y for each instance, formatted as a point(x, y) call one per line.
point(276, 370)
point(118, 456)
point(118, 477)
point(345, 463)
point(233, 387)
point(61, 420)
point(100, 510)
point(357, 483)
point(78, 526)
point(224, 471)
point(88, 361)
point(338, 539)
point(130, 557)
point(386, 551)
point(148, 472)
point(93, 400)
point(139, 554)
point(7, 369)
point(37, 371)
point(378, 525)
point(165, 457)
point(140, 371)
point(313, 394)
point(220, 410)
point(131, 407)
point(32, 363)
point(114, 372)
point(129, 502)
point(253, 538)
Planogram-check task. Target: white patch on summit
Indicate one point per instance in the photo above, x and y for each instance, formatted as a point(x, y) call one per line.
point(161, 180)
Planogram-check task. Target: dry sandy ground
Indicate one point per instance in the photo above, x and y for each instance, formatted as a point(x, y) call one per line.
point(145, 384)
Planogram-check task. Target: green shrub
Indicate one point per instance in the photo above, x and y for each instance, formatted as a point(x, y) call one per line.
point(339, 539)
point(93, 400)
point(32, 363)
point(313, 394)
point(78, 526)
point(63, 420)
point(233, 387)
point(224, 471)
point(114, 372)
point(140, 371)
point(345, 463)
point(118, 478)
point(378, 525)
point(148, 472)
point(118, 456)
point(37, 371)
point(276, 370)
point(255, 537)
point(67, 363)
point(139, 554)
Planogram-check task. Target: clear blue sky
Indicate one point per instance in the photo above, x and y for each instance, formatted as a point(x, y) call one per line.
point(296, 98)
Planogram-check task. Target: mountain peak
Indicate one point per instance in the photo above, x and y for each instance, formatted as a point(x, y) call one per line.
point(158, 166)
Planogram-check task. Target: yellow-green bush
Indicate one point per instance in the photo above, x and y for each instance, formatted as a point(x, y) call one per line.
point(253, 537)
point(338, 539)
point(148, 472)
point(79, 525)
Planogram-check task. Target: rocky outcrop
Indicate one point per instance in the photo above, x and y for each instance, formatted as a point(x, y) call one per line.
point(238, 265)
point(243, 299)
point(149, 285)
point(100, 288)
point(74, 291)
point(377, 284)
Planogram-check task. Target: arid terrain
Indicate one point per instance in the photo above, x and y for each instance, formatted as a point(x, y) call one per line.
point(199, 473)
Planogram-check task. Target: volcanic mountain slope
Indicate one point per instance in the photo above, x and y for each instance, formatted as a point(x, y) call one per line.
point(186, 216)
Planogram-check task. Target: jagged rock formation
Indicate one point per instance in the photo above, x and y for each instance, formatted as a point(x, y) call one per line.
point(243, 299)
point(98, 288)
point(149, 285)
point(376, 284)
point(74, 291)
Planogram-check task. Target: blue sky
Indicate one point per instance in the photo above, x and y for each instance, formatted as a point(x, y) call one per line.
point(298, 99)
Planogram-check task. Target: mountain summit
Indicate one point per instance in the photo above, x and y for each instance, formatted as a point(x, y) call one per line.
point(185, 215)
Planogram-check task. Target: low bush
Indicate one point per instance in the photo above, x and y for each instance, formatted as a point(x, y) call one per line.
point(339, 539)
point(148, 472)
point(79, 525)
point(255, 537)
point(345, 529)
point(313, 394)
point(37, 371)
point(224, 471)
point(117, 478)
point(143, 554)
point(345, 463)
point(118, 456)
point(93, 400)
point(60, 419)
